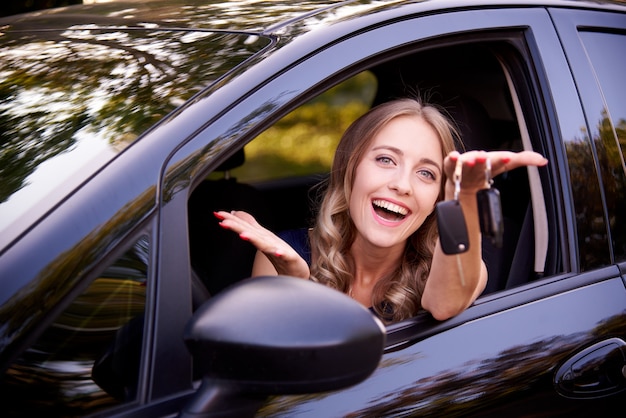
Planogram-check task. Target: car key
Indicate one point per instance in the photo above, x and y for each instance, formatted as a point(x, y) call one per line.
point(452, 229)
point(490, 211)
point(453, 235)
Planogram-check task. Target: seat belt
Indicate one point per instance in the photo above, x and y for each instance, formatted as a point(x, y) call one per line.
point(540, 215)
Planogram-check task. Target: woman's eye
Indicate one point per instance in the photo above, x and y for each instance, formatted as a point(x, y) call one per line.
point(427, 174)
point(384, 160)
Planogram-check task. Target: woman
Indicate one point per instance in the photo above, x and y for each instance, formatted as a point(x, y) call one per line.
point(375, 236)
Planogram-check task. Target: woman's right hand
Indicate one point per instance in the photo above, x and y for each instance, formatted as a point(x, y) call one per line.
point(281, 255)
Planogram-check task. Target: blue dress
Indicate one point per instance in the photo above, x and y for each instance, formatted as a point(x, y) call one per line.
point(298, 239)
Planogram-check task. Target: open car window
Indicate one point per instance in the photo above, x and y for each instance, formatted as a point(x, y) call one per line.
point(275, 176)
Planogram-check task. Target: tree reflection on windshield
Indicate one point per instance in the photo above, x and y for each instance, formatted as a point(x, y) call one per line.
point(101, 86)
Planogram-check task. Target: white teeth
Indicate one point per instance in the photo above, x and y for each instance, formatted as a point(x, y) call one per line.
point(392, 207)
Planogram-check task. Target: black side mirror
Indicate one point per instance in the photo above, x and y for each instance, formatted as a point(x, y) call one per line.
point(278, 335)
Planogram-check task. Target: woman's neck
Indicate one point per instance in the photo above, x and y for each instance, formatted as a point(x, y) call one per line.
point(370, 265)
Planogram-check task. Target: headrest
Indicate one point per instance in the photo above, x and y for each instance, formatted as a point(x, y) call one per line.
point(473, 123)
point(234, 161)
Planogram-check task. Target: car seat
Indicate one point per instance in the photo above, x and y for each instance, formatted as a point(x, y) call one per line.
point(218, 256)
point(477, 132)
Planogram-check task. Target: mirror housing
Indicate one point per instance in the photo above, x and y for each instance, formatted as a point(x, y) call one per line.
point(279, 335)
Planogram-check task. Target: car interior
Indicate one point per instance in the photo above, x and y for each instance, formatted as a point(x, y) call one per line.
point(470, 82)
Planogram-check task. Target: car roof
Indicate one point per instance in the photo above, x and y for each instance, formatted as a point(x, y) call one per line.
point(239, 15)
point(246, 16)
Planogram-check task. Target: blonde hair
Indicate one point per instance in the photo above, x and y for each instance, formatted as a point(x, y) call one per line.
point(398, 295)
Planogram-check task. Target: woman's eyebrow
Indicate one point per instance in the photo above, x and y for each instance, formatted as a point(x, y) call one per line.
point(400, 152)
point(431, 162)
point(390, 148)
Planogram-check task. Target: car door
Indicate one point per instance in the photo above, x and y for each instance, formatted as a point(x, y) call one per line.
point(508, 354)
point(541, 346)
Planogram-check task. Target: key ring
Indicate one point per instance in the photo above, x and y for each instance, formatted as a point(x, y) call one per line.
point(488, 178)
point(458, 171)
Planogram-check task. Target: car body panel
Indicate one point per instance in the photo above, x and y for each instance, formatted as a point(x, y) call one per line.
point(494, 362)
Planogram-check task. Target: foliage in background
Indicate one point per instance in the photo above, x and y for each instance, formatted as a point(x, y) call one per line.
point(304, 141)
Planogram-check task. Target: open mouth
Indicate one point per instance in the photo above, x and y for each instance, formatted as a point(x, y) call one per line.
point(389, 211)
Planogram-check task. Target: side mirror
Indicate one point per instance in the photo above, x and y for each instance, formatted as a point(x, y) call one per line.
point(278, 335)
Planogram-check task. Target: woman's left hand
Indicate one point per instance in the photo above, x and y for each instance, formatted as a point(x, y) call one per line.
point(473, 176)
point(445, 294)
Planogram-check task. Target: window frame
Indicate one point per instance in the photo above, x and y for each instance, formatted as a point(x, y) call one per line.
point(509, 21)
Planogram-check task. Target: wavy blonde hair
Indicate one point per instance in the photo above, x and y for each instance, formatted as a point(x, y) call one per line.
point(398, 295)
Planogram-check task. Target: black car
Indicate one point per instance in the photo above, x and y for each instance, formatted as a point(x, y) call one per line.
point(125, 124)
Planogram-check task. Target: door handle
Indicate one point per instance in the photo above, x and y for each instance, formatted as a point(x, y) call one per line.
point(596, 371)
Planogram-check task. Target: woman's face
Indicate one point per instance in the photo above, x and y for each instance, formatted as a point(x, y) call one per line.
point(397, 182)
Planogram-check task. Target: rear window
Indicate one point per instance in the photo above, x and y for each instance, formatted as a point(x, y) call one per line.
point(610, 131)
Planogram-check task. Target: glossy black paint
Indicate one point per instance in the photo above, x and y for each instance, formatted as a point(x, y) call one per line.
point(497, 364)
point(499, 358)
point(594, 372)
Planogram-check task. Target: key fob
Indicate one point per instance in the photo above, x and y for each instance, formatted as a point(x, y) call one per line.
point(490, 215)
point(452, 229)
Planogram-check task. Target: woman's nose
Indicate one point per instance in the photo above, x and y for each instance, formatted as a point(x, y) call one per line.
point(401, 183)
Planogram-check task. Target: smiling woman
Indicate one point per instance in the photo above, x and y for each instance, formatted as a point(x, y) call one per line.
point(397, 163)
point(375, 235)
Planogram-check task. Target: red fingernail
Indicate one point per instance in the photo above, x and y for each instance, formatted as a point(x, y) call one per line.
point(223, 226)
point(481, 160)
point(506, 160)
point(244, 237)
point(218, 216)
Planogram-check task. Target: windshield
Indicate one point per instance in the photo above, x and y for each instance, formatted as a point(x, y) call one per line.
point(71, 100)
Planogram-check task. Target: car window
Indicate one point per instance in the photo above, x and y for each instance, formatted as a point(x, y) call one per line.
point(471, 82)
point(609, 133)
point(274, 177)
point(59, 125)
point(87, 359)
point(303, 142)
